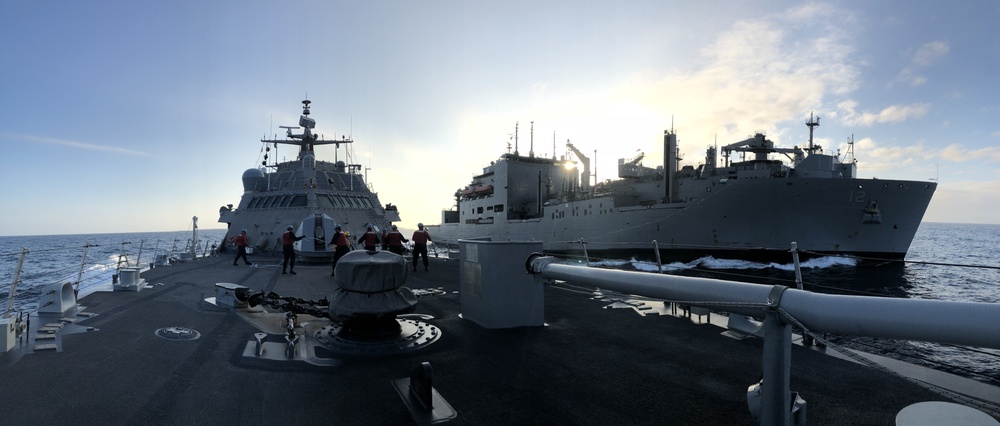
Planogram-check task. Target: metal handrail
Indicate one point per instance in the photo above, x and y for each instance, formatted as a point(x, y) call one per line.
point(894, 318)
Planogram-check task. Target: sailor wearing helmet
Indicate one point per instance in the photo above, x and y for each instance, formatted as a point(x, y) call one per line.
point(287, 239)
point(341, 242)
point(369, 239)
point(242, 242)
point(420, 239)
point(395, 241)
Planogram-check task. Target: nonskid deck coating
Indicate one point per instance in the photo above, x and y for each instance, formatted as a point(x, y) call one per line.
point(588, 365)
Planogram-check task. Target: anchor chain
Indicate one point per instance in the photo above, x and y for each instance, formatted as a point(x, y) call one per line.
point(290, 304)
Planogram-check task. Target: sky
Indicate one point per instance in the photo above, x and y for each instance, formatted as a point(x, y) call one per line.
point(137, 116)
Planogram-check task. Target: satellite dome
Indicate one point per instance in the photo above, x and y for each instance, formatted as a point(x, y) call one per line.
point(252, 178)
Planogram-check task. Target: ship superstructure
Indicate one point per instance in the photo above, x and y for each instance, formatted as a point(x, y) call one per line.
point(311, 195)
point(748, 209)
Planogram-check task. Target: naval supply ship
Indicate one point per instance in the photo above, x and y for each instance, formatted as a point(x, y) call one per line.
point(310, 195)
point(752, 209)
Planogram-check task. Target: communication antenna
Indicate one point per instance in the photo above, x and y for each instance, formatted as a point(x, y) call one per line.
point(531, 147)
point(811, 123)
point(850, 150)
point(516, 124)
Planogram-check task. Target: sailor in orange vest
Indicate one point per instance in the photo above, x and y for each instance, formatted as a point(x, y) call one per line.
point(420, 239)
point(286, 246)
point(242, 242)
point(369, 239)
point(395, 241)
point(342, 248)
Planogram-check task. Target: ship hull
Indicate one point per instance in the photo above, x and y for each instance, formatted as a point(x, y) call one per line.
point(753, 219)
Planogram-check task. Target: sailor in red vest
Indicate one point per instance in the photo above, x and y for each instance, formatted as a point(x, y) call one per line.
point(395, 241)
point(342, 247)
point(369, 239)
point(420, 239)
point(242, 242)
point(286, 246)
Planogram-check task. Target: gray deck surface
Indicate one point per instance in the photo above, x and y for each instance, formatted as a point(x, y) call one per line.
point(589, 365)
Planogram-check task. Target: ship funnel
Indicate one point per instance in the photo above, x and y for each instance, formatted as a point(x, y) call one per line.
point(669, 165)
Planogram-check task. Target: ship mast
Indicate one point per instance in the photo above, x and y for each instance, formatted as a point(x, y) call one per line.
point(516, 124)
point(531, 149)
point(306, 140)
point(811, 123)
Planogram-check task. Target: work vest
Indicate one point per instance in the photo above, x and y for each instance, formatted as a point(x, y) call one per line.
point(370, 239)
point(420, 237)
point(394, 239)
point(340, 240)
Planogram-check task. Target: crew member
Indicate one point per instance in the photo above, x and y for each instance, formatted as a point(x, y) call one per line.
point(395, 241)
point(420, 239)
point(286, 246)
point(369, 239)
point(242, 242)
point(340, 241)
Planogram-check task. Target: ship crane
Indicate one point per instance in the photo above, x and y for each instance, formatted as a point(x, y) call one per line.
point(760, 147)
point(636, 160)
point(586, 164)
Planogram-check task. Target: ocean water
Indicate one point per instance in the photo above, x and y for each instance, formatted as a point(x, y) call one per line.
point(957, 262)
point(61, 258)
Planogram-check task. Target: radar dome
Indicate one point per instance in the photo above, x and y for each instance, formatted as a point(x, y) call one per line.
point(252, 178)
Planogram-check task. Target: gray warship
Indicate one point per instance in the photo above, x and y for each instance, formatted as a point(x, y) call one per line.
point(310, 195)
point(752, 209)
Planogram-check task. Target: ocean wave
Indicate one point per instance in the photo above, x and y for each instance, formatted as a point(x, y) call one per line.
point(709, 262)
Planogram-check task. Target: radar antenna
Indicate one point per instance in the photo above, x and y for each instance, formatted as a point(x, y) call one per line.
point(307, 140)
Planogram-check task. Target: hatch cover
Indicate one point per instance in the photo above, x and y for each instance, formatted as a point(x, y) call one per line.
point(177, 333)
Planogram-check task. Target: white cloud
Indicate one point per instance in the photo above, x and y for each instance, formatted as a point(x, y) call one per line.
point(80, 145)
point(930, 53)
point(751, 77)
point(890, 114)
point(953, 200)
point(874, 159)
point(925, 56)
point(957, 153)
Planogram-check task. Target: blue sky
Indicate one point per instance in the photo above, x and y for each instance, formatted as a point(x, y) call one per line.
point(136, 116)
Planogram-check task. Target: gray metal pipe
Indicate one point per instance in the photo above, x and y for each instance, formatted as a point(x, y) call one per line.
point(960, 323)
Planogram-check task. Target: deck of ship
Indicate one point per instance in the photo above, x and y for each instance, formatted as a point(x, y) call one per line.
point(587, 365)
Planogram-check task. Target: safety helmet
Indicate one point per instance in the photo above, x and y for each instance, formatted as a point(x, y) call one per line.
point(393, 227)
point(289, 227)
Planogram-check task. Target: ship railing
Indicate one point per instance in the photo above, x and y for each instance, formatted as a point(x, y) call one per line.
point(782, 308)
point(86, 268)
